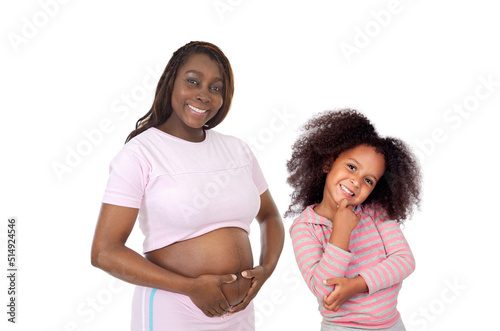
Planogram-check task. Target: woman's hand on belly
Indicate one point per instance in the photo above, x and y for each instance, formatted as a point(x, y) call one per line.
point(236, 291)
point(207, 258)
point(207, 294)
point(257, 276)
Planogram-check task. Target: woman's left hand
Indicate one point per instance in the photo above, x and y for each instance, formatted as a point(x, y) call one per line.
point(258, 275)
point(272, 237)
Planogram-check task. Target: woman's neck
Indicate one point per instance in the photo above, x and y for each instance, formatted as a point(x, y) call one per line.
point(188, 134)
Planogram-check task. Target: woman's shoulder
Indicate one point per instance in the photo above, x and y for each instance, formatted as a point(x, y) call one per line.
point(232, 143)
point(146, 137)
point(225, 138)
point(140, 146)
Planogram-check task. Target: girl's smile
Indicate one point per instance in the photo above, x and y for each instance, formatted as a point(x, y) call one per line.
point(348, 192)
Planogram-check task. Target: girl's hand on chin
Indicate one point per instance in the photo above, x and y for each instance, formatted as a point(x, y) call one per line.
point(345, 219)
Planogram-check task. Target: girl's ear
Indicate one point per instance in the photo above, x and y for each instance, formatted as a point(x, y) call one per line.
point(327, 165)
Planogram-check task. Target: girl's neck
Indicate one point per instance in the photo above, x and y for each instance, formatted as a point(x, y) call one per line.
point(326, 210)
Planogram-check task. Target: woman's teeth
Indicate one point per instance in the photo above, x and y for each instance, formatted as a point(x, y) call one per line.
point(199, 111)
point(346, 190)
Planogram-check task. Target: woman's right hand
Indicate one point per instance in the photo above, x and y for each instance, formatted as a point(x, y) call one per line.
point(109, 253)
point(206, 294)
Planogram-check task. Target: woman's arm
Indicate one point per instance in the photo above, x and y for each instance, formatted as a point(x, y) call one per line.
point(272, 236)
point(110, 254)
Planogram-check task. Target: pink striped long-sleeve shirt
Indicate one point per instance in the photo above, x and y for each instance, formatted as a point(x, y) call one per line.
point(378, 252)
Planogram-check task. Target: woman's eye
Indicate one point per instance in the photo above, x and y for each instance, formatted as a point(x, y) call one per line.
point(192, 81)
point(216, 88)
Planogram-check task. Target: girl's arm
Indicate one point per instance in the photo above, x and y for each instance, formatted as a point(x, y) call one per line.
point(272, 238)
point(110, 254)
point(399, 263)
point(317, 262)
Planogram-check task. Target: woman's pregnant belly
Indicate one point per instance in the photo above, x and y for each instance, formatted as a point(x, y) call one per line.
point(222, 251)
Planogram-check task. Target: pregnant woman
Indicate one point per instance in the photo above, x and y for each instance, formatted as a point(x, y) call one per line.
point(195, 192)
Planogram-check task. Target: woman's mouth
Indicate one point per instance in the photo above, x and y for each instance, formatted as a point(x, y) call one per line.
point(197, 110)
point(346, 190)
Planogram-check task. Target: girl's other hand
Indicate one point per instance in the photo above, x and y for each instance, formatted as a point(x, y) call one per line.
point(345, 288)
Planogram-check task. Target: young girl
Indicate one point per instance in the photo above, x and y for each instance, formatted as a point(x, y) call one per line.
point(196, 191)
point(352, 189)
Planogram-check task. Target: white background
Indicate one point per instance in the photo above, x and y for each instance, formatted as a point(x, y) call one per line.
point(70, 68)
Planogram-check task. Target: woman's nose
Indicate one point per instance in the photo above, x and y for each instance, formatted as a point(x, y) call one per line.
point(203, 96)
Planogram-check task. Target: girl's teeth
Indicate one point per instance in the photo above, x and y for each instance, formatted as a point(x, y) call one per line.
point(200, 111)
point(346, 190)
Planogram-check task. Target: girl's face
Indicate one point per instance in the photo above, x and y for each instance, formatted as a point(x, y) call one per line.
point(353, 175)
point(197, 95)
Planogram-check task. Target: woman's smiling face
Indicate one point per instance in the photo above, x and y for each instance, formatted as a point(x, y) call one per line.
point(197, 95)
point(353, 175)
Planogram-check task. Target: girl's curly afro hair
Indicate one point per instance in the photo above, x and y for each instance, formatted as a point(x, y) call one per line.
point(331, 133)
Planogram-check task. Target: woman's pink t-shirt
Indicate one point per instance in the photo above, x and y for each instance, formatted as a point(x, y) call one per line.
point(185, 189)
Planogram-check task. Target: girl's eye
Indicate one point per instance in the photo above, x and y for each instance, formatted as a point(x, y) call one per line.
point(369, 181)
point(351, 167)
